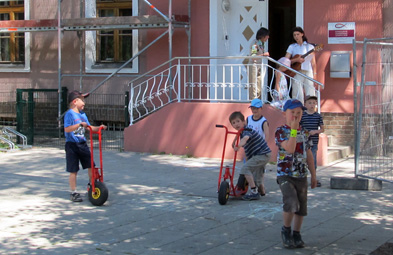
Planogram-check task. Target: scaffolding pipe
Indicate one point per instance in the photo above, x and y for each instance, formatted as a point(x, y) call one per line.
point(59, 63)
point(126, 63)
point(80, 35)
point(158, 11)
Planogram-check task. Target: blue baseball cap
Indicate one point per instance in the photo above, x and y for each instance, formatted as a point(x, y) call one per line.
point(292, 104)
point(256, 103)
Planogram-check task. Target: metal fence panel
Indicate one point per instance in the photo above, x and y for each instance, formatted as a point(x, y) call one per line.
point(34, 113)
point(374, 139)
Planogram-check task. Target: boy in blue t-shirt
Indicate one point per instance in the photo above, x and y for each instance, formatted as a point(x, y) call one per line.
point(294, 160)
point(256, 149)
point(75, 122)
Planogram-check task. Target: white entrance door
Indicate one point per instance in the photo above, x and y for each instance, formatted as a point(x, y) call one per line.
point(232, 32)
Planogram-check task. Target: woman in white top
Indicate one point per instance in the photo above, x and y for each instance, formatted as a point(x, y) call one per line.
point(308, 64)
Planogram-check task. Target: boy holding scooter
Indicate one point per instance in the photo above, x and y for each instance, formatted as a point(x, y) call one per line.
point(75, 122)
point(256, 149)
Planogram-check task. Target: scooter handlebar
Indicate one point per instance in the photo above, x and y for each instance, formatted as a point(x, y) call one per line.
point(95, 132)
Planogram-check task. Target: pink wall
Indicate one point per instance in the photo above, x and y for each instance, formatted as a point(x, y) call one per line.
point(367, 15)
point(189, 128)
point(158, 53)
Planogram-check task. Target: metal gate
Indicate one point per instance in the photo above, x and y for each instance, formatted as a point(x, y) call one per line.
point(37, 114)
point(374, 110)
point(35, 111)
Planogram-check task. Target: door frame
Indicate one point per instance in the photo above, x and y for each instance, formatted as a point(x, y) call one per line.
point(213, 20)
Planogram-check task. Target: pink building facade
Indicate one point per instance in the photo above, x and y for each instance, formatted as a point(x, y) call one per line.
point(217, 28)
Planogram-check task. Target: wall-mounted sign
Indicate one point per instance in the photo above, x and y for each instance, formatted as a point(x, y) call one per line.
point(341, 32)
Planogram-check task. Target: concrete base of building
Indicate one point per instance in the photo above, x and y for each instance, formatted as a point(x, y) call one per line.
point(355, 184)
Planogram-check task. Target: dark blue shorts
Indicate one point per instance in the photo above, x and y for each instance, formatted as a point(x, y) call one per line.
point(75, 153)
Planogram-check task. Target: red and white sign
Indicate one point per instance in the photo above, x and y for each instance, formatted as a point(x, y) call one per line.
point(341, 32)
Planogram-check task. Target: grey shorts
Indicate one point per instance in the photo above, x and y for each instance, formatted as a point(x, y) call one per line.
point(294, 194)
point(256, 165)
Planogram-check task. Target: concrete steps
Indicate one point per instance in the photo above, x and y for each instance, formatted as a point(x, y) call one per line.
point(336, 152)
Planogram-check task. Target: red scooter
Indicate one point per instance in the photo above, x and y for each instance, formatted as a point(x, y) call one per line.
point(98, 193)
point(226, 186)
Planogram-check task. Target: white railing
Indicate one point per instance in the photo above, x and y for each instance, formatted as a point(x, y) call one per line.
point(207, 79)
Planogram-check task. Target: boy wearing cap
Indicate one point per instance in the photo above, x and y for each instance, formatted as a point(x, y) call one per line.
point(313, 122)
point(294, 160)
point(256, 149)
point(259, 123)
point(75, 122)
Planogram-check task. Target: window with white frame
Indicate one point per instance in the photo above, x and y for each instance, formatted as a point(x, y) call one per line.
point(107, 50)
point(14, 46)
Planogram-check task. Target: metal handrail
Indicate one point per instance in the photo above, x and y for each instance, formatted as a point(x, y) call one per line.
point(180, 79)
point(224, 57)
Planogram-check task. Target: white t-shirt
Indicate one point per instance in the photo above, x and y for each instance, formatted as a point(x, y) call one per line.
point(295, 49)
point(257, 125)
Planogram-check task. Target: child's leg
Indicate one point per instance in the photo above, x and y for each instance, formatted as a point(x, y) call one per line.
point(89, 172)
point(72, 181)
point(314, 150)
point(250, 180)
point(261, 180)
point(297, 223)
point(287, 218)
point(261, 186)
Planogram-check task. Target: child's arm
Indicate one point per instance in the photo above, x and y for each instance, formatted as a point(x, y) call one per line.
point(242, 142)
point(265, 127)
point(73, 127)
point(290, 144)
point(310, 163)
point(96, 128)
point(234, 142)
point(320, 130)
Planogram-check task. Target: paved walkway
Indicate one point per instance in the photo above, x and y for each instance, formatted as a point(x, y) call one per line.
point(161, 204)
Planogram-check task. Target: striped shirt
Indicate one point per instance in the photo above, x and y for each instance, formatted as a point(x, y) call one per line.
point(255, 145)
point(312, 122)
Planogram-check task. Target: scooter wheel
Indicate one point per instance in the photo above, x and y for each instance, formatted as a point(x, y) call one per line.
point(223, 193)
point(99, 196)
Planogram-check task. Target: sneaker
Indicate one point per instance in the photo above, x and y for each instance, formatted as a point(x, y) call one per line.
point(88, 186)
point(251, 196)
point(297, 239)
point(76, 197)
point(287, 239)
point(319, 184)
